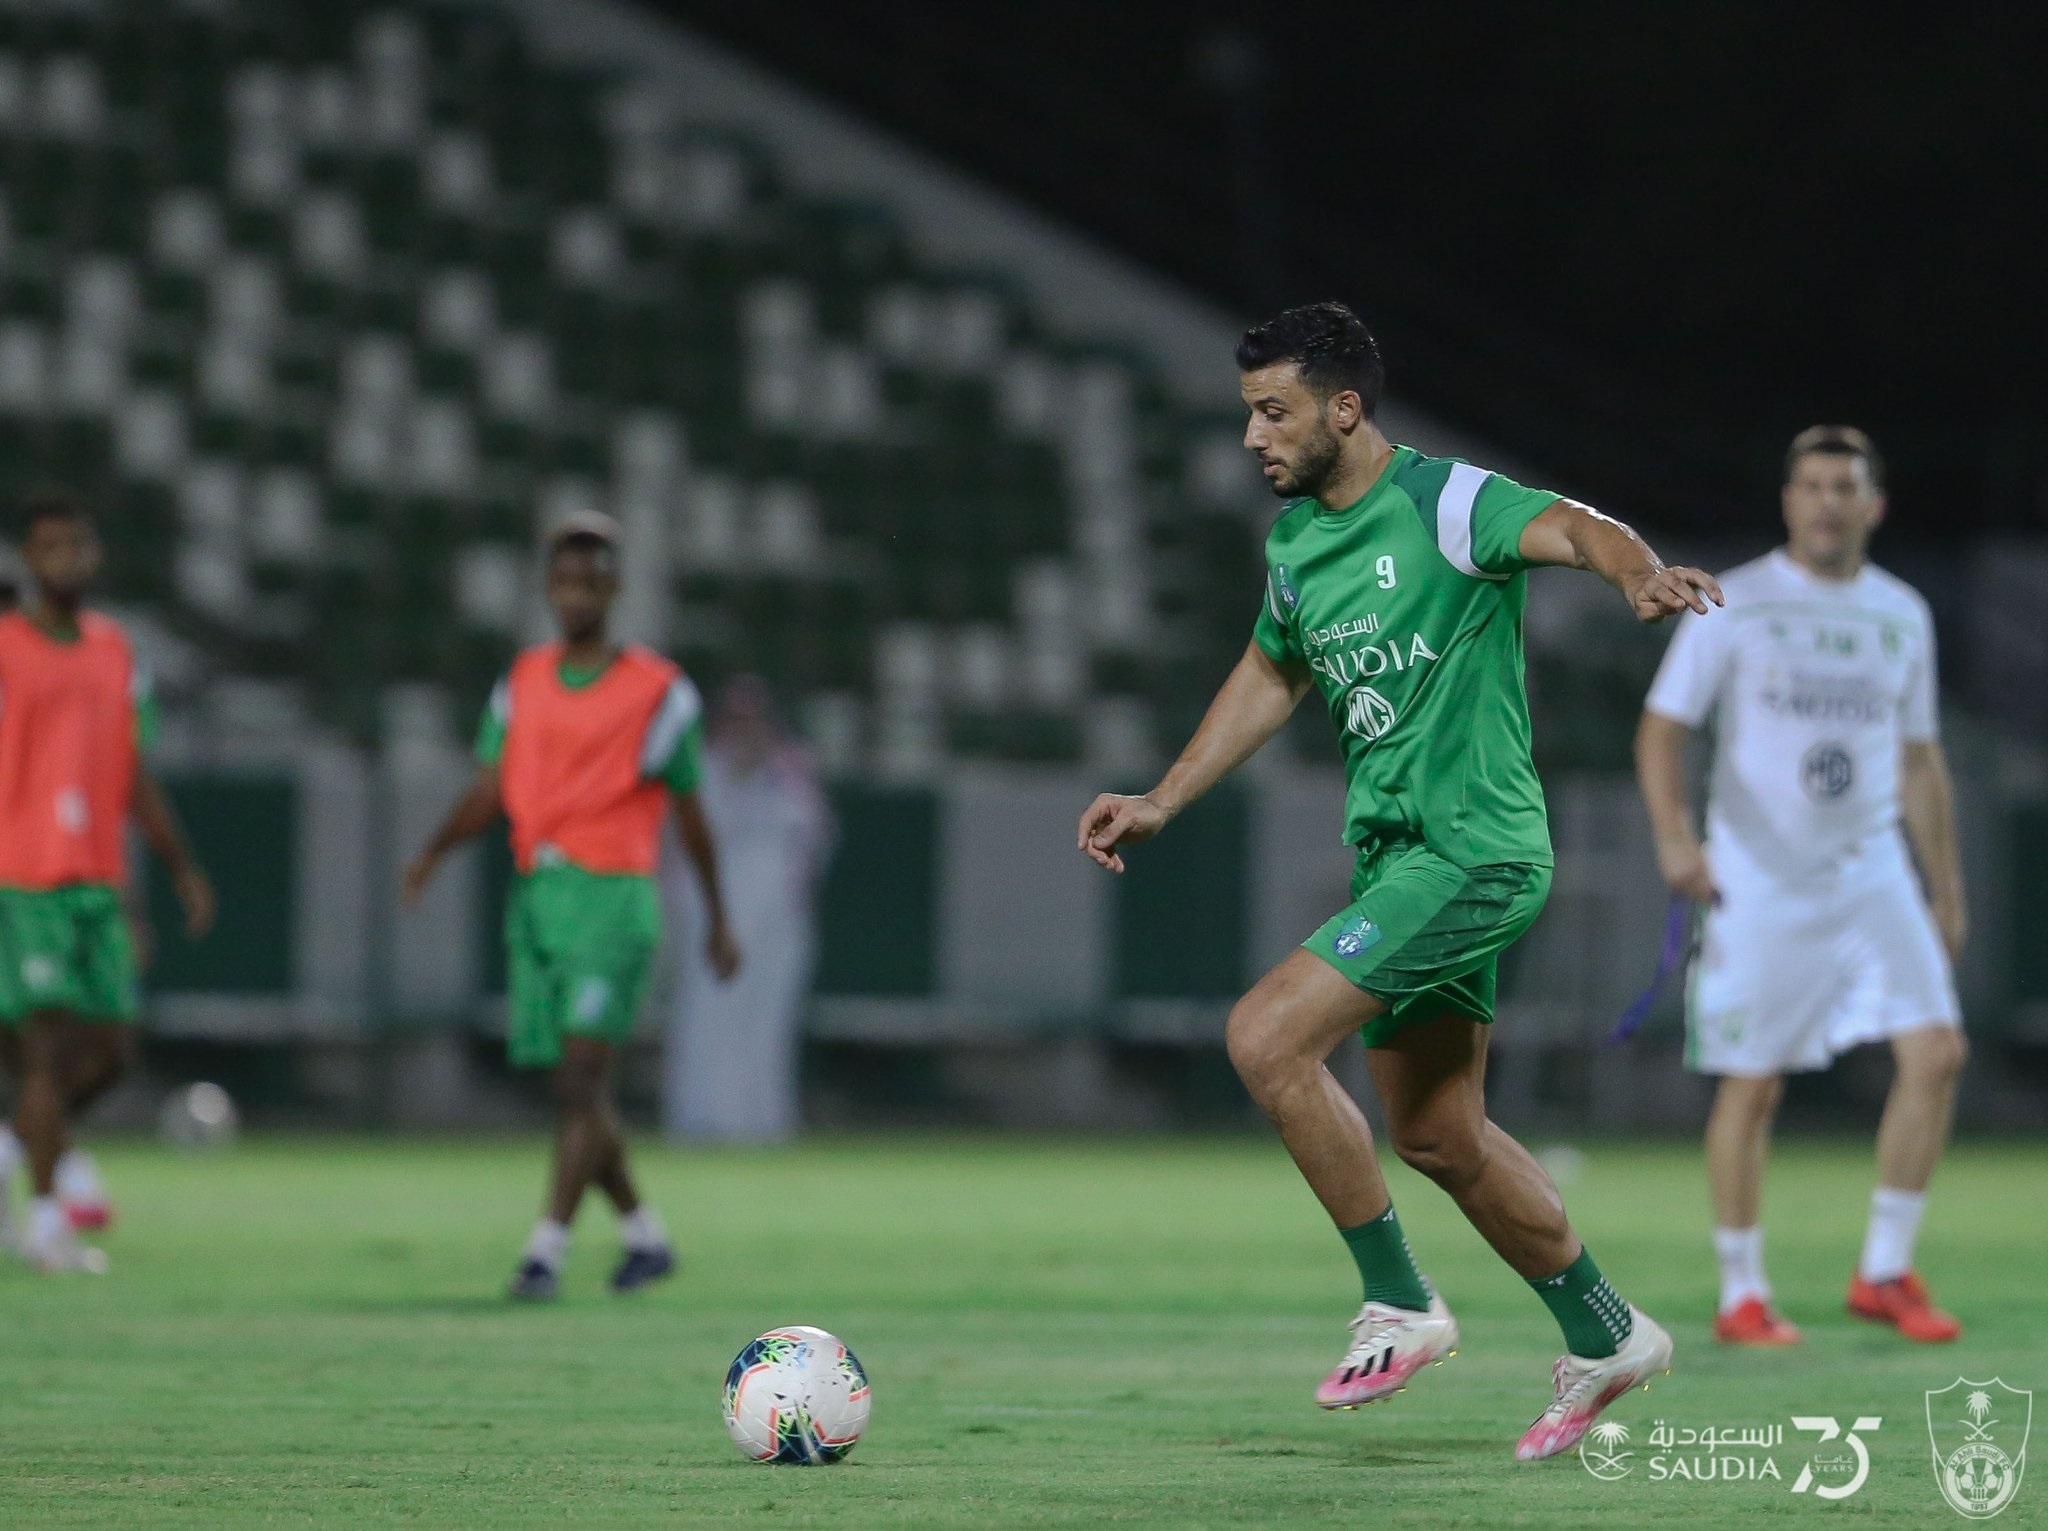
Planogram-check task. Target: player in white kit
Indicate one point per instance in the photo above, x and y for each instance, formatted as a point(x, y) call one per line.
point(1818, 935)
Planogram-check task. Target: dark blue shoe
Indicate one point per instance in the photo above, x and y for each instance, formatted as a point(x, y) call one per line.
point(534, 1282)
point(637, 1267)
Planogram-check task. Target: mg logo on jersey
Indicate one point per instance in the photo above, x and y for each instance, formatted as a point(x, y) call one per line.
point(1367, 713)
point(1979, 1432)
point(1827, 772)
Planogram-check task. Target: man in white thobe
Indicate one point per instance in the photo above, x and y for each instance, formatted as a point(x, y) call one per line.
point(729, 1068)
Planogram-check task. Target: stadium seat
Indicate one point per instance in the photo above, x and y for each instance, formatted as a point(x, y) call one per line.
point(415, 282)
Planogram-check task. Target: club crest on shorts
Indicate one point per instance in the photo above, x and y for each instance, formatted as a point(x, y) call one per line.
point(1360, 935)
point(592, 995)
point(1979, 1434)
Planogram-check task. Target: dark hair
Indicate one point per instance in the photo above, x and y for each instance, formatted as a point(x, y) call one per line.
point(1835, 441)
point(1330, 344)
point(584, 531)
point(581, 542)
point(52, 505)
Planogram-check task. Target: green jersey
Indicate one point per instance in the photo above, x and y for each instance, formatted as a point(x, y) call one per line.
point(1407, 609)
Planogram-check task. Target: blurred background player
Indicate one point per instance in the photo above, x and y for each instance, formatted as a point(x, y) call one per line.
point(730, 1066)
point(75, 718)
point(584, 748)
point(1395, 587)
point(1820, 679)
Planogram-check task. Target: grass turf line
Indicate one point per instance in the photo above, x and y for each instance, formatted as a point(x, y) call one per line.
point(309, 1333)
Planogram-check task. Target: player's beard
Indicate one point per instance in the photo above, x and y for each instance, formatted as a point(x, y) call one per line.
point(1319, 457)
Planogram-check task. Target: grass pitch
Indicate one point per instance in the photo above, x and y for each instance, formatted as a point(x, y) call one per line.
point(309, 1333)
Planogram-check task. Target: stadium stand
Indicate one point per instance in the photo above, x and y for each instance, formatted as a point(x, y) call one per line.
point(330, 304)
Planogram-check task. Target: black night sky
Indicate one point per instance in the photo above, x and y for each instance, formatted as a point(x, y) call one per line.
point(1643, 244)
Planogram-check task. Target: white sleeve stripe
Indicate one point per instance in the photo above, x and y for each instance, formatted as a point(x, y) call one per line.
point(1454, 518)
point(1273, 601)
point(681, 707)
point(501, 702)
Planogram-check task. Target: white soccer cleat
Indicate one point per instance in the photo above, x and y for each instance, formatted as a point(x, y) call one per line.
point(82, 1192)
point(1583, 1387)
point(63, 1253)
point(1388, 1346)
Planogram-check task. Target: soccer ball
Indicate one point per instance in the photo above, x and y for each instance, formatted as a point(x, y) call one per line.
point(795, 1395)
point(198, 1116)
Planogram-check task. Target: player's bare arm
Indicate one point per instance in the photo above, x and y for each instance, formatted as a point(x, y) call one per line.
point(1660, 773)
point(695, 834)
point(1927, 804)
point(474, 812)
point(1573, 536)
point(165, 837)
point(1252, 706)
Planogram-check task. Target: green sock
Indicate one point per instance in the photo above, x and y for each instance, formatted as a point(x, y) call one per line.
point(1591, 1313)
point(1385, 1263)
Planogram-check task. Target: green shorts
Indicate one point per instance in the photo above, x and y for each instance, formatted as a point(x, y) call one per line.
point(1425, 935)
point(579, 947)
point(67, 949)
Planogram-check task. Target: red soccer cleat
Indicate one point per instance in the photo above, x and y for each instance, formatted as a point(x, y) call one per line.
point(1754, 1322)
point(1903, 1304)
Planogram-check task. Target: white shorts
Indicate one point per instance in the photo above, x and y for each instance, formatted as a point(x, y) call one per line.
point(1792, 974)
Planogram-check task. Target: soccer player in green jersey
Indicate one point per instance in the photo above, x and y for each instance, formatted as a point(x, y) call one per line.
point(77, 718)
point(1394, 589)
point(587, 746)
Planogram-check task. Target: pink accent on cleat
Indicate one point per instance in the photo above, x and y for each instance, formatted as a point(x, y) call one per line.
point(1582, 1386)
point(88, 1216)
point(1388, 1346)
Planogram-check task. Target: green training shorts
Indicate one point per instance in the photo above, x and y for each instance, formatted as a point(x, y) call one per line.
point(1425, 935)
point(69, 949)
point(579, 948)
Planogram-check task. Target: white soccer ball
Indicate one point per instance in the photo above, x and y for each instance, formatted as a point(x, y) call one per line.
point(199, 1116)
point(795, 1395)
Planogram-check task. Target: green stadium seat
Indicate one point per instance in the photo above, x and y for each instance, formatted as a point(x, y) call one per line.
point(387, 190)
point(918, 497)
point(1041, 737)
point(222, 436)
point(141, 542)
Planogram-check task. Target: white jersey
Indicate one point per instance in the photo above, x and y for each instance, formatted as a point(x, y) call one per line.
point(1816, 686)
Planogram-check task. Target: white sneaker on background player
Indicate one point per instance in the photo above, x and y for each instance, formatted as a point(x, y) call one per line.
point(82, 1191)
point(1388, 1346)
point(1582, 1386)
point(52, 1246)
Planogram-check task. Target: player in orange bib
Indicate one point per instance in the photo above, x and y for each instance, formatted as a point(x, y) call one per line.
point(586, 748)
point(75, 716)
